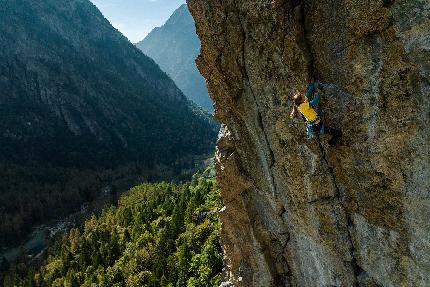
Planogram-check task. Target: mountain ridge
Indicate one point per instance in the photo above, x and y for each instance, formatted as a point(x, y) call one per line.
point(77, 95)
point(175, 46)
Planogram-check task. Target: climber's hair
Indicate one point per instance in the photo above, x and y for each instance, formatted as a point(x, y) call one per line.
point(298, 99)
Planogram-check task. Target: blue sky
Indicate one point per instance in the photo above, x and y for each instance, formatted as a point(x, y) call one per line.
point(136, 18)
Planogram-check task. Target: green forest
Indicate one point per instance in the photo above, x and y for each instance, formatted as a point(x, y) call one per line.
point(160, 234)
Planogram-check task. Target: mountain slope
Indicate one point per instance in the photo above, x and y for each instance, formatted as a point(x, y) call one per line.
point(175, 46)
point(76, 100)
point(299, 212)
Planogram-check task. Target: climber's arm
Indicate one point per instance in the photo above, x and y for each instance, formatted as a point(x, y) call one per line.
point(316, 100)
point(309, 91)
point(294, 112)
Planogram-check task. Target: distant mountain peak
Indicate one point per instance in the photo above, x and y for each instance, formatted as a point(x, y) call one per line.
point(180, 16)
point(174, 47)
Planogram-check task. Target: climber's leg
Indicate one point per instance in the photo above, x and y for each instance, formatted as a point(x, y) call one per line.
point(320, 129)
point(309, 131)
point(317, 129)
point(335, 133)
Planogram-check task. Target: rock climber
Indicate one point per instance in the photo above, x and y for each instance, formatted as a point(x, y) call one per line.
point(309, 109)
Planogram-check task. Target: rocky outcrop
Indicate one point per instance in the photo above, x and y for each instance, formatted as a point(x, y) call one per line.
point(298, 212)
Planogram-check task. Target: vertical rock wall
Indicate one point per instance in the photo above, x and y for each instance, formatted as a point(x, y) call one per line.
point(298, 212)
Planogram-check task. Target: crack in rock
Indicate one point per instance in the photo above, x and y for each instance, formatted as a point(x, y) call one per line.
point(270, 162)
point(350, 224)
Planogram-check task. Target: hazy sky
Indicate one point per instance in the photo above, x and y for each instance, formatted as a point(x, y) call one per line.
point(136, 18)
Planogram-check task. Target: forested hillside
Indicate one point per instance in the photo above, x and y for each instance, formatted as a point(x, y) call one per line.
point(159, 235)
point(175, 47)
point(82, 111)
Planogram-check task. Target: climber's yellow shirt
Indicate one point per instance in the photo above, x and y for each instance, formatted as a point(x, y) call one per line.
point(308, 112)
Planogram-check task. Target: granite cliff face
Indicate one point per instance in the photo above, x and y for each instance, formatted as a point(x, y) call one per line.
point(298, 212)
